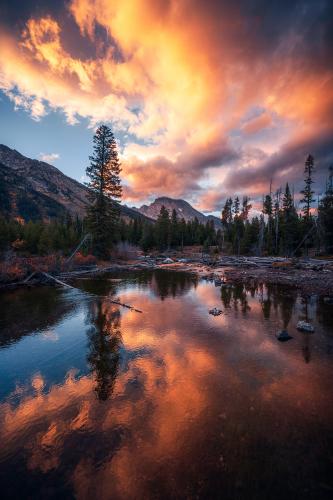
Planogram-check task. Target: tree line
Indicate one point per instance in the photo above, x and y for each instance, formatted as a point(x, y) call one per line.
point(170, 232)
point(39, 238)
point(279, 229)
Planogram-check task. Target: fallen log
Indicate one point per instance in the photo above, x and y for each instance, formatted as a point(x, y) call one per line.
point(118, 303)
point(62, 283)
point(29, 277)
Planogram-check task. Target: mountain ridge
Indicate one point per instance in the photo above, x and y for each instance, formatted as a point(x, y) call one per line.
point(32, 189)
point(183, 209)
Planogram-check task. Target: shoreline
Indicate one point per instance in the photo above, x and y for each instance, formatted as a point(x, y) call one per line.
point(310, 277)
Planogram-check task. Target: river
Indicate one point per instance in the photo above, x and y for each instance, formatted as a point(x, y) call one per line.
point(98, 401)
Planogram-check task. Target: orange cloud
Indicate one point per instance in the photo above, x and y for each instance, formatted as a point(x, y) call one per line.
point(169, 74)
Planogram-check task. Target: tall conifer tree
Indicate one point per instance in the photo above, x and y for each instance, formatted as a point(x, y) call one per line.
point(307, 191)
point(104, 190)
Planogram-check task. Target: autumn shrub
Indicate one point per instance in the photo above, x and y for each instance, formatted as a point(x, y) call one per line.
point(81, 260)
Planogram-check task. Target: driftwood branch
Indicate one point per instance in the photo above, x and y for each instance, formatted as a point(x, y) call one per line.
point(123, 305)
point(62, 283)
point(117, 302)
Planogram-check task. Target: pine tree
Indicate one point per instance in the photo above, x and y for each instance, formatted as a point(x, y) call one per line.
point(287, 200)
point(236, 206)
point(325, 213)
point(268, 211)
point(148, 238)
point(163, 229)
point(226, 216)
point(246, 207)
point(307, 191)
point(174, 229)
point(277, 219)
point(289, 228)
point(105, 191)
point(268, 205)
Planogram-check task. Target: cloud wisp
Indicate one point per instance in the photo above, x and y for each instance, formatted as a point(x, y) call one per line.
point(49, 157)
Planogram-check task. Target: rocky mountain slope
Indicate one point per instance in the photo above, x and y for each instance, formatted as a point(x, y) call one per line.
point(32, 189)
point(182, 207)
point(20, 200)
point(46, 180)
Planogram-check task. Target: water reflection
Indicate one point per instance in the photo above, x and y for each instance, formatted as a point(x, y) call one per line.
point(236, 297)
point(171, 403)
point(161, 283)
point(25, 311)
point(104, 345)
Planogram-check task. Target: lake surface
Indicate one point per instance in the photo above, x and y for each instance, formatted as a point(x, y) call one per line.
point(97, 401)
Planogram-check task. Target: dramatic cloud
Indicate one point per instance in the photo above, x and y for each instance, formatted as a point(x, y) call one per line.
point(193, 86)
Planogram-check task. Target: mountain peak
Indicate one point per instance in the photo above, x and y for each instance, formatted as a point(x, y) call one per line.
point(182, 207)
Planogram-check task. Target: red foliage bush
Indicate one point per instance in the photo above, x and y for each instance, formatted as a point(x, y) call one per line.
point(11, 271)
point(17, 268)
point(84, 260)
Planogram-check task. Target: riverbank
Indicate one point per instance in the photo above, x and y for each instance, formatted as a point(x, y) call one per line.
point(310, 276)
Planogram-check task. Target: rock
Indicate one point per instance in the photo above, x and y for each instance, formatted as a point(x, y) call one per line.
point(215, 311)
point(283, 336)
point(168, 261)
point(303, 326)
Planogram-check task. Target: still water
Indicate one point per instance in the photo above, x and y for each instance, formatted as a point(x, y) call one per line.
point(97, 401)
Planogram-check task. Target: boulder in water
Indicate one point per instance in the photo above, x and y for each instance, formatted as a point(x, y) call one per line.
point(215, 311)
point(303, 326)
point(283, 336)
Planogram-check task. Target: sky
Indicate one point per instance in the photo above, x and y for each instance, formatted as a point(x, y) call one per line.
point(206, 99)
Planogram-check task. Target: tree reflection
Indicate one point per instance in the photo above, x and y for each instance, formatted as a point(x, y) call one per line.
point(266, 303)
point(226, 296)
point(306, 348)
point(237, 295)
point(166, 284)
point(104, 346)
point(287, 302)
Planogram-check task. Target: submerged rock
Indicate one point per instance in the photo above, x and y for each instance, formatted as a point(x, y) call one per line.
point(215, 311)
point(303, 326)
point(283, 336)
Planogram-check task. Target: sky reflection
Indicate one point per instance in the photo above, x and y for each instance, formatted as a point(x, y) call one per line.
point(172, 401)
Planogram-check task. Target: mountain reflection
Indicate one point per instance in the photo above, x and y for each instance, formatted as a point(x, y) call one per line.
point(104, 342)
